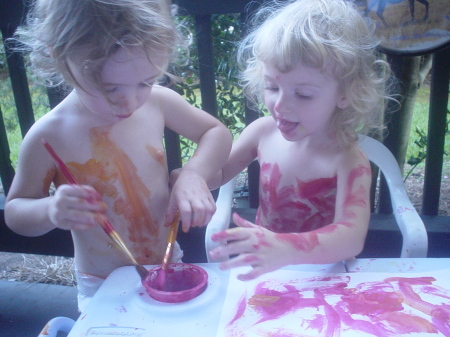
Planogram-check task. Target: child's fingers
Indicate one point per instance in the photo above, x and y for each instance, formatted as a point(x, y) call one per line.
point(241, 222)
point(202, 212)
point(230, 235)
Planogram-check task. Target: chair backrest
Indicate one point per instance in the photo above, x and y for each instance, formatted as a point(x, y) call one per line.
point(415, 239)
point(412, 228)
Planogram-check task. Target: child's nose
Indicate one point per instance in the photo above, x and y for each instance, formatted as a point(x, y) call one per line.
point(283, 105)
point(128, 102)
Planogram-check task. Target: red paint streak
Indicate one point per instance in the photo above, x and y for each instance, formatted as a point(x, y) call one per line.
point(220, 236)
point(403, 210)
point(249, 259)
point(301, 241)
point(300, 207)
point(308, 241)
point(355, 196)
point(240, 310)
point(378, 308)
point(262, 239)
point(61, 165)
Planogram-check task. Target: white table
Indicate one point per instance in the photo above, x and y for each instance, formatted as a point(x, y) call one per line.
point(121, 307)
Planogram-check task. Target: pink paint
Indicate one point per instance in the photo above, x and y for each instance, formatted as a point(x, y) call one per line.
point(403, 209)
point(249, 259)
point(183, 282)
point(378, 308)
point(300, 207)
point(301, 241)
point(355, 196)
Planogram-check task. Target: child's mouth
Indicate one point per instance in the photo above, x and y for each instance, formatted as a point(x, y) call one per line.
point(286, 126)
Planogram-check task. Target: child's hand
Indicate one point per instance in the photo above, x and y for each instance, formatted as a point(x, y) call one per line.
point(191, 196)
point(76, 207)
point(174, 177)
point(255, 246)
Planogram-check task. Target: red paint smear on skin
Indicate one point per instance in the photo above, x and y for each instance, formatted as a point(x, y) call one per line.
point(300, 207)
point(376, 308)
point(301, 241)
point(355, 194)
point(111, 166)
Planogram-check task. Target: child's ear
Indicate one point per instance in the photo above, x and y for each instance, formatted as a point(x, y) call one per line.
point(343, 103)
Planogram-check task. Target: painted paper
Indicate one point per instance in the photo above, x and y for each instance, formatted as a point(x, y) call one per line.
point(289, 303)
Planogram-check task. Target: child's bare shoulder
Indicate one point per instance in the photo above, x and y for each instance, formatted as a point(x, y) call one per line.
point(353, 157)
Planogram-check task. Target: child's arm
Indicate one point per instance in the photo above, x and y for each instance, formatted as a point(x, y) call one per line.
point(190, 193)
point(29, 210)
point(343, 239)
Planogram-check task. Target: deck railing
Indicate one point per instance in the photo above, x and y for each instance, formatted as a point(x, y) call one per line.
point(59, 242)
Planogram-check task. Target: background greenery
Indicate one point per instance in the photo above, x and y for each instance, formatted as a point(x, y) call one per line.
point(226, 34)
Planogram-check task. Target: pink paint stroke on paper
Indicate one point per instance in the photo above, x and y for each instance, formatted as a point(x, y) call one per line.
point(391, 307)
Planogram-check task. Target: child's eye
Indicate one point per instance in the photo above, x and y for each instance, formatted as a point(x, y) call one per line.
point(270, 88)
point(303, 96)
point(111, 90)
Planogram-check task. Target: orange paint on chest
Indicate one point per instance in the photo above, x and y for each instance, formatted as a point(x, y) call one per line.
point(111, 170)
point(157, 154)
point(48, 179)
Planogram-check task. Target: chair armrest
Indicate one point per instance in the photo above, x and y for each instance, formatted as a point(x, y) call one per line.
point(55, 325)
point(221, 218)
point(415, 237)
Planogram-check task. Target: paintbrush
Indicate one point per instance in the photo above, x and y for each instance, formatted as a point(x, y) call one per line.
point(160, 279)
point(105, 224)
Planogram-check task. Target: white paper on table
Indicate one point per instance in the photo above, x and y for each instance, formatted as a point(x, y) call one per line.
point(295, 303)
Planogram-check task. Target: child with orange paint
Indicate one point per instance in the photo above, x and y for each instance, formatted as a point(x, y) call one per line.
point(312, 63)
point(109, 132)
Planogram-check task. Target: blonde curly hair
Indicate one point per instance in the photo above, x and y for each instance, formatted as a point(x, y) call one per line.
point(89, 32)
point(330, 35)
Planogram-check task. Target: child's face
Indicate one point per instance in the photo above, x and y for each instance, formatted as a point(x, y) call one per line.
point(126, 82)
point(302, 100)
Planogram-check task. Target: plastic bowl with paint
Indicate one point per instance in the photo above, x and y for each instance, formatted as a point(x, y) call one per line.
point(183, 282)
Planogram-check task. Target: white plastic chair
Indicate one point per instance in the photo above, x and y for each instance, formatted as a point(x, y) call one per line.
point(415, 239)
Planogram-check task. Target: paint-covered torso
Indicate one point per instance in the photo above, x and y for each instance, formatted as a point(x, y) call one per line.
point(126, 163)
point(299, 207)
point(297, 191)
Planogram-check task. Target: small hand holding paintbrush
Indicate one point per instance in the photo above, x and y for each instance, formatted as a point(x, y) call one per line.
point(171, 237)
point(105, 224)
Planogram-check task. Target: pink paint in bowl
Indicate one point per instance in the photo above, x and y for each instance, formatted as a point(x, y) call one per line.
point(183, 282)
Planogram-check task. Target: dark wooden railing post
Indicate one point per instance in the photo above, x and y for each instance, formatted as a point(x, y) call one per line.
point(6, 168)
point(437, 123)
point(206, 63)
point(19, 83)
